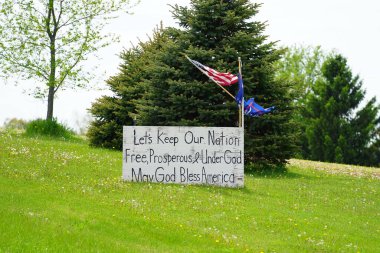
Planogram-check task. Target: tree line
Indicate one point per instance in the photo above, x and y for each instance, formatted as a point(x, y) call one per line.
point(321, 112)
point(337, 123)
point(318, 99)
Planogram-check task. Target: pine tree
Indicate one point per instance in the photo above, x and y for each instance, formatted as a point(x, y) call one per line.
point(112, 112)
point(337, 130)
point(216, 33)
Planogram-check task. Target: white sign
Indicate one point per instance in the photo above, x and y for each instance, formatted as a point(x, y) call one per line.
point(184, 155)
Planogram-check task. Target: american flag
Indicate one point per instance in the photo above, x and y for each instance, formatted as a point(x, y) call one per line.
point(223, 79)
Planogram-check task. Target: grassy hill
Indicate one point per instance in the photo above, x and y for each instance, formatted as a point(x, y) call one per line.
point(65, 196)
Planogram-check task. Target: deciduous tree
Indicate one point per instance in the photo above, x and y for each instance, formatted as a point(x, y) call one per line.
point(301, 66)
point(48, 41)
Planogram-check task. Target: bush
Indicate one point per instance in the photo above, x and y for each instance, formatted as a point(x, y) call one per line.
point(50, 128)
point(15, 124)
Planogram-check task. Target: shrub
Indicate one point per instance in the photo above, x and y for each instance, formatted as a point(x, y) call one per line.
point(15, 124)
point(50, 128)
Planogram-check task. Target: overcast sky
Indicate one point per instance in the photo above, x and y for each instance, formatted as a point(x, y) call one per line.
point(350, 27)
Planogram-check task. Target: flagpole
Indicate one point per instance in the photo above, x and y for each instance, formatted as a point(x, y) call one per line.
point(241, 107)
point(242, 120)
point(212, 79)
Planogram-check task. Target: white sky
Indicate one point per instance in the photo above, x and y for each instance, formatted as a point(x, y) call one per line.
point(350, 27)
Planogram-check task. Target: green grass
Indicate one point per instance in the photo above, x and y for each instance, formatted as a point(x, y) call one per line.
point(63, 196)
point(48, 128)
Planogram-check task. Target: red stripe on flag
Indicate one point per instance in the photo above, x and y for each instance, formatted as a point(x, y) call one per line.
point(224, 79)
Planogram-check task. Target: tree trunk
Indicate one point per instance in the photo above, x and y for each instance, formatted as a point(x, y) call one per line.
point(52, 36)
point(50, 105)
point(51, 84)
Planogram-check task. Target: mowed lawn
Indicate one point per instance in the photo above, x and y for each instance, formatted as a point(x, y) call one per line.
point(62, 196)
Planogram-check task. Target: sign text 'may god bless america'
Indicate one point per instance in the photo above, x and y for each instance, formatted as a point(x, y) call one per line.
point(184, 155)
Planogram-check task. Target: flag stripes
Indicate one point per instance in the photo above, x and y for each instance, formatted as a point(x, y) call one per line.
point(224, 79)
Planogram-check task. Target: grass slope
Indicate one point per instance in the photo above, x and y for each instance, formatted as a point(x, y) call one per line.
point(66, 196)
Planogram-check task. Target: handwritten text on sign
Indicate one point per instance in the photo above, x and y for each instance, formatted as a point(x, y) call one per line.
point(185, 155)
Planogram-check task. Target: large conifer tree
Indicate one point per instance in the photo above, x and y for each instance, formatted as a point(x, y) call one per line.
point(112, 112)
point(337, 130)
point(216, 33)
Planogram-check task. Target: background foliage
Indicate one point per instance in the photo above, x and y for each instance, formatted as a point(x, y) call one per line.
point(337, 124)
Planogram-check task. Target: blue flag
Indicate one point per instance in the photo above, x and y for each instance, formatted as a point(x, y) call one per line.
point(251, 108)
point(255, 110)
point(240, 94)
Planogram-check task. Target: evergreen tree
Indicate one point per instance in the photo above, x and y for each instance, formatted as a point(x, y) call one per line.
point(216, 33)
point(112, 112)
point(337, 130)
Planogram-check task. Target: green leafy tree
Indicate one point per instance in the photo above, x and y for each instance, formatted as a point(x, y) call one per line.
point(301, 66)
point(216, 33)
point(337, 130)
point(48, 40)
